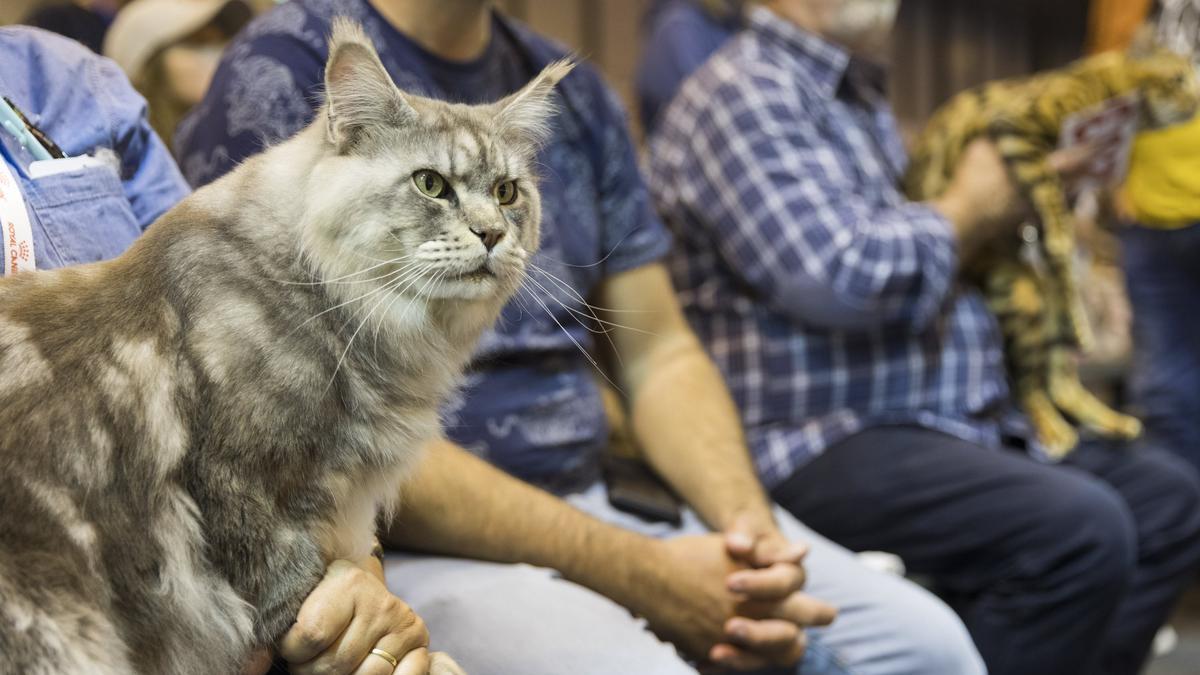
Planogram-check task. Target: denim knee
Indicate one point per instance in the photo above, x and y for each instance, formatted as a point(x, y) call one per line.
point(940, 644)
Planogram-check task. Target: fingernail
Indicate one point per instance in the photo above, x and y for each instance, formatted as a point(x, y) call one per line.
point(737, 583)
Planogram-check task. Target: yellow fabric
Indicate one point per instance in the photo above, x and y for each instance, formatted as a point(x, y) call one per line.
point(1163, 186)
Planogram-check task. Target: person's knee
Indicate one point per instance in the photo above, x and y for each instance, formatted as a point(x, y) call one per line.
point(936, 642)
point(902, 628)
point(1091, 535)
point(521, 619)
point(1174, 517)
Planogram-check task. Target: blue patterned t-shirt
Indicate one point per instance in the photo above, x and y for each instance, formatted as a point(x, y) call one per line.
point(530, 403)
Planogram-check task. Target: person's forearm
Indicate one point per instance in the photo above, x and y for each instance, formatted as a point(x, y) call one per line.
point(690, 431)
point(457, 504)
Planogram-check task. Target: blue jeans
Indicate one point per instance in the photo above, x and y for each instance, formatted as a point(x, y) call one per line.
point(498, 619)
point(1055, 569)
point(1162, 270)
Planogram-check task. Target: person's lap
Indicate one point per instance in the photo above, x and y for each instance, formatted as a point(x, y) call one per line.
point(1035, 557)
point(518, 619)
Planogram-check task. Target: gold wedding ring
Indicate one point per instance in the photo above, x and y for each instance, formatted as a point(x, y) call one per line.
point(386, 656)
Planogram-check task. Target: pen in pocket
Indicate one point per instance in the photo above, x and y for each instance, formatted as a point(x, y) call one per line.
point(28, 136)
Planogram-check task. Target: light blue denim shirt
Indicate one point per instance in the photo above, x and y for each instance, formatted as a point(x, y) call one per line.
point(83, 103)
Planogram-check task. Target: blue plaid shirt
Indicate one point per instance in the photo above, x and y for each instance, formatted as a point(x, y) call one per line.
point(829, 301)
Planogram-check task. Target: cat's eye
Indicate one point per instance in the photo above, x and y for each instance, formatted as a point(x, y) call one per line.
point(506, 192)
point(431, 183)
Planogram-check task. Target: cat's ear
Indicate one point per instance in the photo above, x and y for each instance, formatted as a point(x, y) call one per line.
point(527, 113)
point(360, 95)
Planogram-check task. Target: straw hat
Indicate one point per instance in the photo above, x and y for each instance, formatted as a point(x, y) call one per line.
point(143, 27)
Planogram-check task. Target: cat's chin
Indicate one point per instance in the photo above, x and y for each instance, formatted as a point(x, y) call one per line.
point(468, 287)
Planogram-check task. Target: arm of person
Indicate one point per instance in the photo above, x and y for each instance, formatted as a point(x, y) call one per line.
point(681, 412)
point(767, 186)
point(689, 430)
point(460, 505)
point(151, 181)
point(457, 504)
point(348, 614)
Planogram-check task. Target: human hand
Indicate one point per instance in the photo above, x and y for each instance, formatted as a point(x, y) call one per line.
point(981, 201)
point(349, 613)
point(696, 610)
point(770, 586)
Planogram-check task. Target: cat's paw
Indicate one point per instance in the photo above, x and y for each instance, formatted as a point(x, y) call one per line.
point(1056, 435)
point(1120, 426)
point(441, 664)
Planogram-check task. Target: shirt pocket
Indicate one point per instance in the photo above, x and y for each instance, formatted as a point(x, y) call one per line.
point(84, 214)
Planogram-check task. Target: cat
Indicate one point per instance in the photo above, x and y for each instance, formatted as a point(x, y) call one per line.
point(1041, 313)
point(191, 432)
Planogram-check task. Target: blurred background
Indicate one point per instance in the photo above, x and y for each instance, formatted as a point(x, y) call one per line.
point(941, 47)
point(948, 44)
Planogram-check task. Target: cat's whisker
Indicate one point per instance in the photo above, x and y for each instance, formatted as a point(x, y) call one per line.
point(579, 319)
point(590, 359)
point(579, 316)
point(608, 310)
point(355, 281)
point(368, 294)
point(384, 250)
point(350, 343)
point(404, 315)
point(591, 314)
point(318, 282)
point(421, 292)
point(601, 261)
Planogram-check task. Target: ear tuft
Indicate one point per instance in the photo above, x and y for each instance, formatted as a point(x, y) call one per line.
point(345, 31)
point(527, 113)
point(360, 95)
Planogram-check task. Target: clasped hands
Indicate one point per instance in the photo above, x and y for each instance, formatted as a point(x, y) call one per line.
point(737, 601)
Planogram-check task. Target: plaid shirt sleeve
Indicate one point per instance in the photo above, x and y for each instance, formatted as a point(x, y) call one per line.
point(777, 196)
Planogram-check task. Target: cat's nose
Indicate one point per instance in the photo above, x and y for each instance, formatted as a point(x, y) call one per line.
point(489, 236)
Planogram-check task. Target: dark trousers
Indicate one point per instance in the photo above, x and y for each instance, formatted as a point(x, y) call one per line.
point(1061, 570)
point(1163, 277)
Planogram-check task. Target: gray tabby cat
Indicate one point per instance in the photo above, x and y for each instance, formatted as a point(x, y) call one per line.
point(189, 433)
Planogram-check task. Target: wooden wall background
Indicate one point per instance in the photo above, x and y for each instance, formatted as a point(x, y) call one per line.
point(941, 46)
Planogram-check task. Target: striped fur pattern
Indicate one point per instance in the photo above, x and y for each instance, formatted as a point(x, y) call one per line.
point(191, 432)
point(1038, 307)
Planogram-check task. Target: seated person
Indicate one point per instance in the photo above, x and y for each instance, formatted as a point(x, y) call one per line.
point(1159, 251)
point(169, 50)
point(678, 36)
point(870, 379)
point(85, 106)
point(86, 21)
point(531, 407)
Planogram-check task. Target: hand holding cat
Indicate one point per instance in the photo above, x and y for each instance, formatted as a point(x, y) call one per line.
point(348, 614)
point(982, 201)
